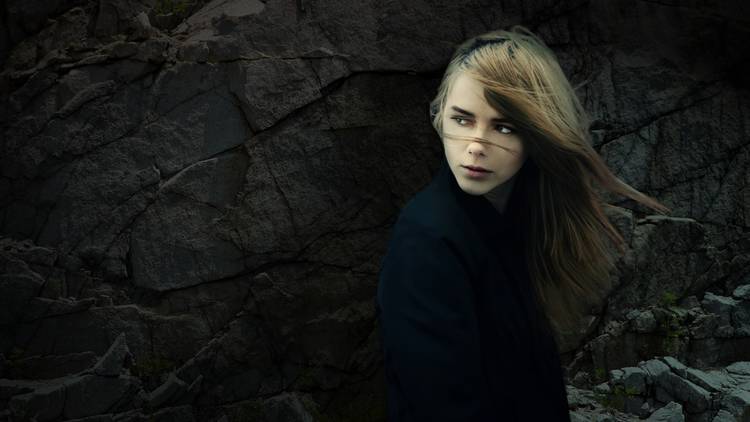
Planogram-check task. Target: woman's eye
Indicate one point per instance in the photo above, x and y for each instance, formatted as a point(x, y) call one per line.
point(505, 130)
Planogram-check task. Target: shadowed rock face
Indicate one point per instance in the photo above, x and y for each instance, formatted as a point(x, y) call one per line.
point(195, 197)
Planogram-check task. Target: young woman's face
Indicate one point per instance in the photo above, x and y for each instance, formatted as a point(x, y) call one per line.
point(499, 149)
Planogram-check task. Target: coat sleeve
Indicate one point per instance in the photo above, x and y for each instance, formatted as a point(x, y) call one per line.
point(429, 329)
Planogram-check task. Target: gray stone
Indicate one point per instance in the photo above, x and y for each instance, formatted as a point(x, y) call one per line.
point(148, 332)
point(711, 381)
point(653, 367)
point(633, 404)
point(96, 418)
point(615, 375)
point(175, 414)
point(671, 412)
point(741, 319)
point(581, 379)
point(183, 267)
point(695, 398)
point(120, 49)
point(602, 388)
point(634, 379)
point(675, 365)
point(192, 392)
point(738, 379)
point(646, 408)
point(254, 84)
point(704, 326)
point(737, 402)
point(580, 397)
point(724, 416)
point(18, 285)
point(40, 307)
point(652, 278)
point(642, 322)
point(740, 368)
point(51, 366)
point(90, 394)
point(170, 390)
point(690, 302)
point(723, 307)
point(86, 95)
point(45, 403)
point(25, 250)
point(742, 292)
point(13, 387)
point(576, 417)
point(216, 9)
point(195, 51)
point(663, 395)
point(286, 407)
point(111, 363)
point(116, 16)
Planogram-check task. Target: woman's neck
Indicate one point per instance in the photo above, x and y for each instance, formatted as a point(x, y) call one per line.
point(499, 195)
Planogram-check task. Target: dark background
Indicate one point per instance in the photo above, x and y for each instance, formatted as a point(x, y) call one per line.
point(217, 182)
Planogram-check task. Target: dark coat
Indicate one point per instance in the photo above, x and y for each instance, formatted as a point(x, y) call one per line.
point(461, 336)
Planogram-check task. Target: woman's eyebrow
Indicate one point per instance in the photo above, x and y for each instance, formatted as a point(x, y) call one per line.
point(468, 113)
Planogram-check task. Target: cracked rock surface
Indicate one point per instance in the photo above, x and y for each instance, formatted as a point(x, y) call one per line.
point(195, 197)
point(664, 389)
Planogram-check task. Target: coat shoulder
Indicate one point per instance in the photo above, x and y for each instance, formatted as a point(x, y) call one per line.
point(432, 215)
point(434, 211)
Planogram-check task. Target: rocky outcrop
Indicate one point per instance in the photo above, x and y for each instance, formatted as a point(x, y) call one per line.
point(196, 354)
point(101, 388)
point(108, 391)
point(664, 389)
point(705, 333)
point(199, 191)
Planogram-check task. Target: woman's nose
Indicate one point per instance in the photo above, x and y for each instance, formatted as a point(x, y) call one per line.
point(476, 147)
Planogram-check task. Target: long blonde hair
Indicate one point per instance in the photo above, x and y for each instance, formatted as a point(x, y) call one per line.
point(564, 225)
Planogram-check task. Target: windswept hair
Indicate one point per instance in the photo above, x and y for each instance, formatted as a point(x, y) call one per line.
point(564, 227)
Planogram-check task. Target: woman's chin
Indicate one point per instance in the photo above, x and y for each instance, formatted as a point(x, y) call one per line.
point(476, 187)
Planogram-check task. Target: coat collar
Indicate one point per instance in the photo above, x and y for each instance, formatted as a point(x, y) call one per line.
point(504, 235)
point(490, 223)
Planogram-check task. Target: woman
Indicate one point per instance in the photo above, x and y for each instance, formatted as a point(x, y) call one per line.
point(504, 249)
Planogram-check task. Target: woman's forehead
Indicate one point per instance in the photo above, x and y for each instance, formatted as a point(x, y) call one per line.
point(467, 94)
point(464, 82)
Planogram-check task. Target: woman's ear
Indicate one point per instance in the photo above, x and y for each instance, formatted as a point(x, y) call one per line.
point(433, 111)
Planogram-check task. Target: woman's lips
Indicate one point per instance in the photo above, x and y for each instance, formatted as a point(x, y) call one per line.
point(476, 174)
point(476, 168)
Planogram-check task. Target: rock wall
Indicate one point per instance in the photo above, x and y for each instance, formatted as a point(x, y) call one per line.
point(195, 197)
